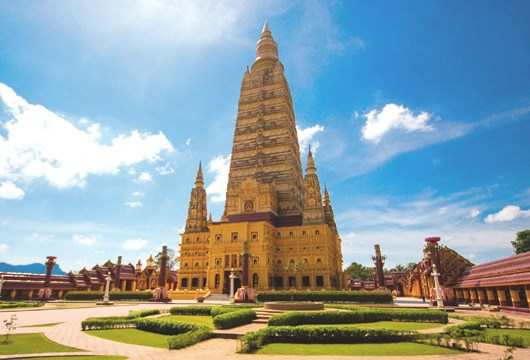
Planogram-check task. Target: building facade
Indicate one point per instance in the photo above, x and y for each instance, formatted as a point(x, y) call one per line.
point(278, 229)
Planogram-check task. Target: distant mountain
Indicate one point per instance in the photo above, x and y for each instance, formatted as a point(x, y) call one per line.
point(35, 268)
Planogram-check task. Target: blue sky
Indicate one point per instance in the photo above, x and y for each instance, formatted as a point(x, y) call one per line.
point(419, 113)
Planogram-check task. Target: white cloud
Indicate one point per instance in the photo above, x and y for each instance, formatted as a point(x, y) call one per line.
point(85, 240)
point(306, 137)
point(9, 191)
point(144, 177)
point(138, 194)
point(508, 213)
point(134, 244)
point(473, 213)
point(133, 204)
point(391, 117)
point(3, 248)
point(188, 141)
point(43, 144)
point(219, 167)
point(165, 170)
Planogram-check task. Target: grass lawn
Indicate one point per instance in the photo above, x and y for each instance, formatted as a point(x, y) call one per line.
point(525, 333)
point(132, 336)
point(88, 357)
point(31, 344)
point(397, 325)
point(385, 349)
point(41, 325)
point(192, 319)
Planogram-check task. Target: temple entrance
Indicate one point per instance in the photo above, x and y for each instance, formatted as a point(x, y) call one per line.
point(226, 283)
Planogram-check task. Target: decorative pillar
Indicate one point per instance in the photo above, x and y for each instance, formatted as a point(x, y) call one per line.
point(491, 296)
point(232, 277)
point(501, 295)
point(379, 263)
point(514, 294)
point(117, 280)
point(481, 297)
point(245, 266)
point(438, 290)
point(13, 294)
point(107, 288)
point(2, 282)
point(527, 291)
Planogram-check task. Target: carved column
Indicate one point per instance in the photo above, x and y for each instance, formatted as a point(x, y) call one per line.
point(117, 278)
point(162, 278)
point(491, 296)
point(514, 294)
point(502, 296)
point(481, 296)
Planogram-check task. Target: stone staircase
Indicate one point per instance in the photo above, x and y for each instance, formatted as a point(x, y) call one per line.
point(264, 315)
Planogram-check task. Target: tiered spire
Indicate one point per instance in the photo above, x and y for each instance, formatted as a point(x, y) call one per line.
point(313, 209)
point(328, 210)
point(197, 212)
point(266, 47)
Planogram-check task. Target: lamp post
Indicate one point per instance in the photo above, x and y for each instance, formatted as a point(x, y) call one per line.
point(107, 288)
point(439, 298)
point(232, 277)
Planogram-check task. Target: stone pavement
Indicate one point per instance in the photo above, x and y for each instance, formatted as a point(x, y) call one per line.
point(69, 333)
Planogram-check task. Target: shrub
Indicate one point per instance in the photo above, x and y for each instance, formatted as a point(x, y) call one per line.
point(113, 295)
point(191, 310)
point(112, 322)
point(164, 326)
point(143, 313)
point(360, 316)
point(321, 335)
point(189, 338)
point(19, 304)
point(234, 318)
point(327, 296)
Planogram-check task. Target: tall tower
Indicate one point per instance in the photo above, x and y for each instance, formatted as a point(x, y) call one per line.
point(265, 151)
point(197, 212)
point(313, 209)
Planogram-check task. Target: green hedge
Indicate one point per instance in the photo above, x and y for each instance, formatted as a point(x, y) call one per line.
point(383, 297)
point(321, 335)
point(113, 295)
point(19, 304)
point(117, 322)
point(359, 316)
point(191, 310)
point(475, 331)
point(235, 318)
point(189, 338)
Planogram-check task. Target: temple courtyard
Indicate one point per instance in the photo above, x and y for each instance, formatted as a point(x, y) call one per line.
point(55, 332)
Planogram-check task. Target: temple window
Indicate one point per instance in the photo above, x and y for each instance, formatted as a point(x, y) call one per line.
point(198, 239)
point(277, 249)
point(290, 233)
point(255, 260)
point(196, 264)
point(195, 282)
point(227, 260)
point(218, 237)
point(305, 261)
point(255, 281)
point(235, 236)
point(279, 262)
point(206, 263)
point(320, 281)
point(185, 265)
point(217, 281)
point(317, 232)
point(254, 236)
point(184, 283)
point(319, 260)
point(305, 281)
point(304, 232)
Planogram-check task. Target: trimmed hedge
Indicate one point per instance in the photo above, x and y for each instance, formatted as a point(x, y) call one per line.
point(383, 297)
point(117, 322)
point(475, 331)
point(309, 334)
point(191, 310)
point(359, 316)
point(113, 295)
point(19, 304)
point(189, 338)
point(233, 318)
point(185, 334)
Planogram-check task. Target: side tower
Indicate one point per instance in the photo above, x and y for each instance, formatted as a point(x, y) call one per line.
point(197, 212)
point(265, 152)
point(313, 209)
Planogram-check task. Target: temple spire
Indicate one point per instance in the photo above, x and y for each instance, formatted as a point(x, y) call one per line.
point(266, 48)
point(311, 167)
point(313, 209)
point(199, 181)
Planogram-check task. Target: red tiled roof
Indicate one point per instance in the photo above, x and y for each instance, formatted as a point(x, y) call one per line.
point(513, 270)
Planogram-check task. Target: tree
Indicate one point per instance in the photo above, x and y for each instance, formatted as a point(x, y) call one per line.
point(521, 243)
point(172, 259)
point(361, 272)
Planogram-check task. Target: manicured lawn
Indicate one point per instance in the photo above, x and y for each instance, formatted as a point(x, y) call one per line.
point(192, 319)
point(95, 357)
point(386, 349)
point(397, 325)
point(525, 333)
point(31, 344)
point(41, 325)
point(132, 336)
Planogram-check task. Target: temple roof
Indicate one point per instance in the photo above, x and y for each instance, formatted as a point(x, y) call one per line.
point(512, 270)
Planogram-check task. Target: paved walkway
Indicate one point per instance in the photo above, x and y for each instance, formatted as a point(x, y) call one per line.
point(69, 333)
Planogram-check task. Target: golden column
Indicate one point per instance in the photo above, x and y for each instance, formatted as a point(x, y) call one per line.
point(514, 294)
point(502, 296)
point(491, 296)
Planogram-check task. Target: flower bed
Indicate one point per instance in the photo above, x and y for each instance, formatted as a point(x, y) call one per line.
point(359, 316)
point(382, 297)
